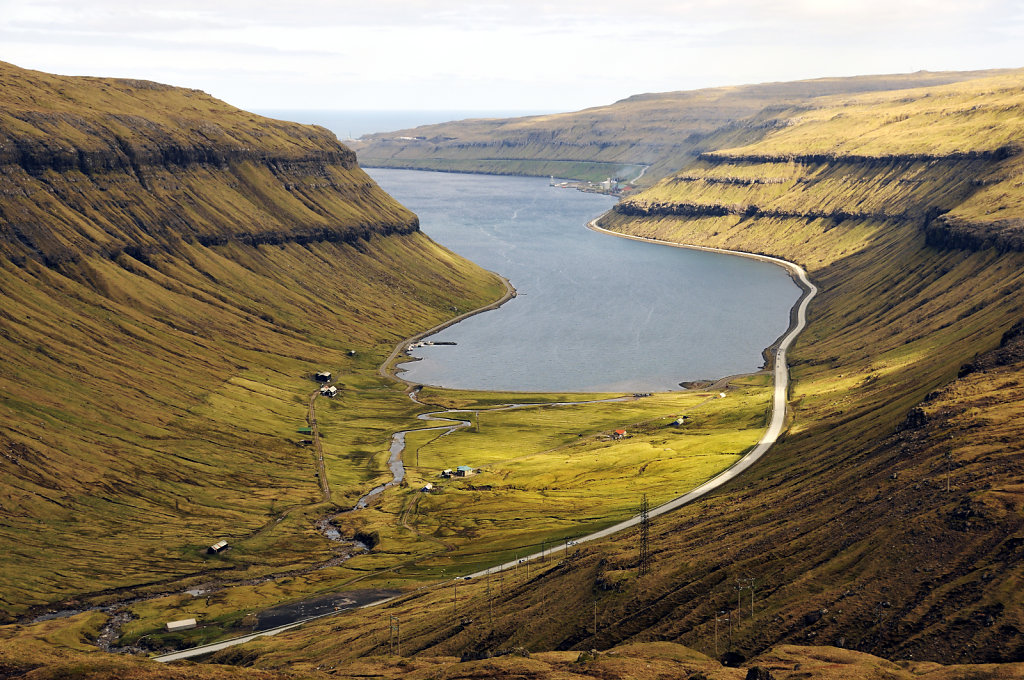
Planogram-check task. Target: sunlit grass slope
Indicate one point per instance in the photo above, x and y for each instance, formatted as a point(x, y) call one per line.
point(889, 518)
point(663, 130)
point(46, 654)
point(173, 270)
point(905, 208)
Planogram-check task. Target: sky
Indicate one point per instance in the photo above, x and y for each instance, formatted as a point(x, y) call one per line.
point(484, 55)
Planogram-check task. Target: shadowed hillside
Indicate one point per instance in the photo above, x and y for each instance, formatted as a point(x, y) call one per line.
point(173, 270)
point(664, 131)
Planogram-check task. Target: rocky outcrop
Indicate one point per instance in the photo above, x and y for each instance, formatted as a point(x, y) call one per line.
point(630, 209)
point(923, 189)
point(952, 233)
point(998, 154)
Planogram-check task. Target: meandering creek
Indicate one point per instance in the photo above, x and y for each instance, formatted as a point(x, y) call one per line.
point(594, 313)
point(397, 449)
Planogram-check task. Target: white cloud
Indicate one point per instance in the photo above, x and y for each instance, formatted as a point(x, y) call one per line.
point(489, 54)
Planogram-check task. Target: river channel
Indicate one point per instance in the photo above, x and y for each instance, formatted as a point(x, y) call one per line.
point(594, 312)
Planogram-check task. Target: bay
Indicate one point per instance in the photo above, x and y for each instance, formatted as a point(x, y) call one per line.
point(594, 312)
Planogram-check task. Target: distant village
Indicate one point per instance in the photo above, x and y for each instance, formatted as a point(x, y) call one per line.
point(613, 186)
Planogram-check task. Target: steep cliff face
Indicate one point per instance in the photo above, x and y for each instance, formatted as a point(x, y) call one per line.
point(947, 159)
point(664, 131)
point(172, 271)
point(92, 167)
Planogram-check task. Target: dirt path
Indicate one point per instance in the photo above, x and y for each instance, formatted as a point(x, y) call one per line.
point(409, 513)
point(318, 449)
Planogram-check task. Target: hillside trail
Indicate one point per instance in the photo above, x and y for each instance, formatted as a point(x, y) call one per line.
point(318, 448)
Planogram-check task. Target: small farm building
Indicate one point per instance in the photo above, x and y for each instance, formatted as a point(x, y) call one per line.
point(619, 434)
point(218, 547)
point(323, 376)
point(184, 624)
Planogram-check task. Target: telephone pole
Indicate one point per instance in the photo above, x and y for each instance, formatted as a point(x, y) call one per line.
point(718, 617)
point(747, 583)
point(739, 593)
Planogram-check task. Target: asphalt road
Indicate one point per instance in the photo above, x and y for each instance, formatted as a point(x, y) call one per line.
point(771, 435)
point(775, 425)
point(314, 609)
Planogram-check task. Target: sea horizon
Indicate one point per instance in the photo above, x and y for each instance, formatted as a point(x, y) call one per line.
point(350, 124)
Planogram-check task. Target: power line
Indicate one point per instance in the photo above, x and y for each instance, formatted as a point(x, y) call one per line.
point(645, 537)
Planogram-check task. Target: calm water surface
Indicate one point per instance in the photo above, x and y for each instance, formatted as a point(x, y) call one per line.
point(594, 312)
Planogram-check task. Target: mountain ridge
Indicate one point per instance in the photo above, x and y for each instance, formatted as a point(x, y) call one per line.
point(173, 272)
point(664, 131)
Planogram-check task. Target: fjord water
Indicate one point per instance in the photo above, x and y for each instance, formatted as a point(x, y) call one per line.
point(594, 312)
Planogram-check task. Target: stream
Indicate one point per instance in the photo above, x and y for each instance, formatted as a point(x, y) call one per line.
point(397, 466)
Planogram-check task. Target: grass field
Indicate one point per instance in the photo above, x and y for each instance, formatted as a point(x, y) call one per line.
point(548, 473)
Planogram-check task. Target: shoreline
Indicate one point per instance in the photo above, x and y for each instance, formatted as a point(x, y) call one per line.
point(779, 409)
point(387, 368)
point(795, 271)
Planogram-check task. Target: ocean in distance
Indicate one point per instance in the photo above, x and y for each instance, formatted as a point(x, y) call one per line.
point(594, 312)
point(355, 124)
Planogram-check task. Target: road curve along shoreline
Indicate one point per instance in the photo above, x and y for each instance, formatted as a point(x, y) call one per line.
point(770, 436)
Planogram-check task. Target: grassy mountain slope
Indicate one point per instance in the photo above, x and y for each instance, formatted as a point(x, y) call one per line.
point(890, 519)
point(172, 272)
point(665, 130)
point(50, 653)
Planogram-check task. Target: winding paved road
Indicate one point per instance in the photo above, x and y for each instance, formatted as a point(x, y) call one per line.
point(771, 435)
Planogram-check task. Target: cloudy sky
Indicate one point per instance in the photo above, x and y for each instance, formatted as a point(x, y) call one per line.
point(496, 55)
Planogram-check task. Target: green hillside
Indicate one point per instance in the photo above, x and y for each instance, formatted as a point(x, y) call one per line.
point(173, 271)
point(664, 131)
point(890, 518)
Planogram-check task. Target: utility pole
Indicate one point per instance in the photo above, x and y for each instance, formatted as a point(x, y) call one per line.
point(396, 636)
point(455, 599)
point(717, 618)
point(739, 593)
point(595, 617)
point(949, 462)
point(747, 583)
point(490, 602)
point(645, 537)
